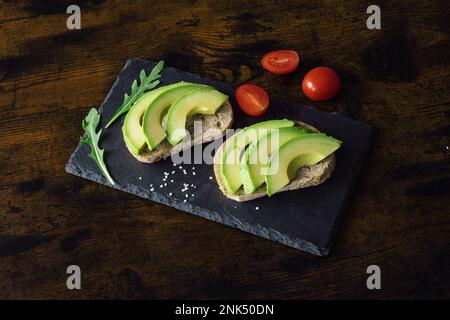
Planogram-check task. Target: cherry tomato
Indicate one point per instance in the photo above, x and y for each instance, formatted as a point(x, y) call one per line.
point(252, 99)
point(280, 61)
point(321, 84)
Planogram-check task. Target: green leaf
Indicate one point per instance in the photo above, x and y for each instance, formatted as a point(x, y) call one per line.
point(92, 138)
point(146, 83)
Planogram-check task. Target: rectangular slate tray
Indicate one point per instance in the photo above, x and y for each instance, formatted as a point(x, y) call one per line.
point(305, 219)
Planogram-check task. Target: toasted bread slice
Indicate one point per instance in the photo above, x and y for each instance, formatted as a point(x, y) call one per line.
point(307, 176)
point(220, 121)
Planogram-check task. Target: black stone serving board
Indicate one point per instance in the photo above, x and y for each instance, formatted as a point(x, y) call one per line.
point(305, 219)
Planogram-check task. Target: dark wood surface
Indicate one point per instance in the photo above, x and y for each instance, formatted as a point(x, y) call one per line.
point(396, 79)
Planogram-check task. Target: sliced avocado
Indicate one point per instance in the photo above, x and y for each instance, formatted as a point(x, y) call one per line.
point(152, 120)
point(230, 162)
point(203, 100)
point(256, 157)
point(304, 150)
point(132, 130)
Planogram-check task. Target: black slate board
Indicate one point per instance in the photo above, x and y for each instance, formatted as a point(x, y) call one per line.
point(305, 219)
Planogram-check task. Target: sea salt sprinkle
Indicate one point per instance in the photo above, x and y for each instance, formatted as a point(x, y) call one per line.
point(166, 179)
point(257, 208)
point(210, 178)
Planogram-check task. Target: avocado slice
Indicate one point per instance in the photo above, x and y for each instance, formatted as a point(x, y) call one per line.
point(203, 100)
point(304, 150)
point(256, 157)
point(230, 162)
point(152, 120)
point(132, 131)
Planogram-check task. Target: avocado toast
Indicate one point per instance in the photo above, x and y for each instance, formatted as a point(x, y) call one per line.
point(305, 176)
point(156, 125)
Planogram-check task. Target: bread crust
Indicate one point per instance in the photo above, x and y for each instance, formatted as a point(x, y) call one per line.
point(306, 176)
point(223, 116)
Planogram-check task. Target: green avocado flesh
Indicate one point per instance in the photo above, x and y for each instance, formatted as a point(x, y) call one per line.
point(132, 130)
point(203, 100)
point(256, 157)
point(304, 150)
point(230, 162)
point(152, 120)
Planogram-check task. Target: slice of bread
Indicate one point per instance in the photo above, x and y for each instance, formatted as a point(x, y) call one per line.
point(306, 176)
point(220, 122)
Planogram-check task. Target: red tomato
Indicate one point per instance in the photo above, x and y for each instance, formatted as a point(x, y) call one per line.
point(252, 99)
point(280, 61)
point(321, 84)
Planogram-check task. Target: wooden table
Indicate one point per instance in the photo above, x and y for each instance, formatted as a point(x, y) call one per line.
point(396, 79)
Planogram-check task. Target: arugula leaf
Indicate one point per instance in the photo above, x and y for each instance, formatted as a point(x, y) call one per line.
point(146, 83)
point(90, 124)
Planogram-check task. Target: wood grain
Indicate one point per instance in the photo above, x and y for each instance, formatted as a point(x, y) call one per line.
point(396, 79)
